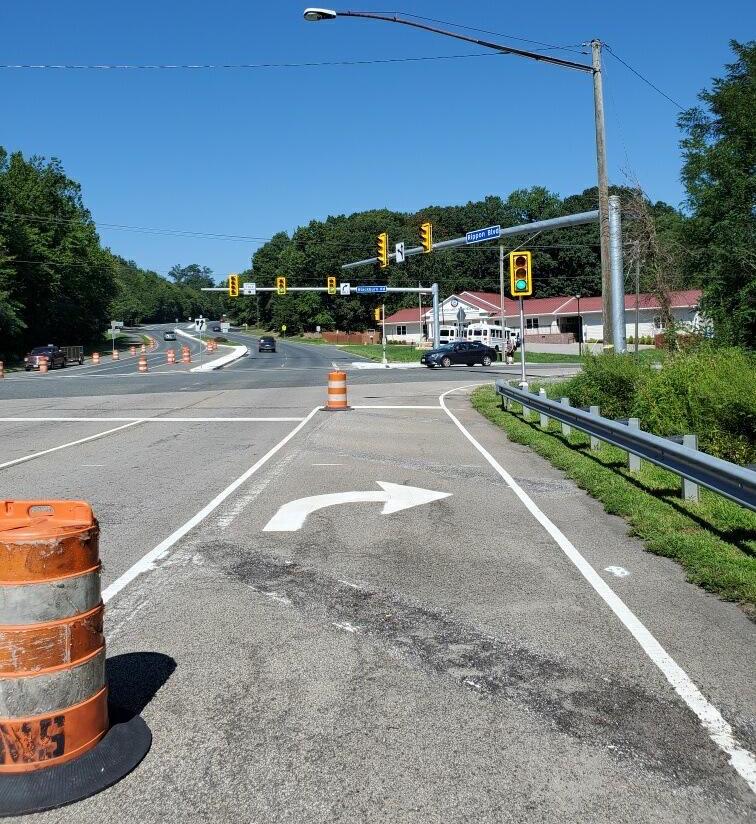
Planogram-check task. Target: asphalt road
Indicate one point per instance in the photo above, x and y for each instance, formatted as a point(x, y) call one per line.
point(490, 656)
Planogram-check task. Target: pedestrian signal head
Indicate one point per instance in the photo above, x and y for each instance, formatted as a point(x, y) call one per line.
point(520, 274)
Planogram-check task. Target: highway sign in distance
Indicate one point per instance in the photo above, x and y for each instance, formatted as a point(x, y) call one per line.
point(249, 289)
point(345, 289)
point(479, 235)
point(371, 290)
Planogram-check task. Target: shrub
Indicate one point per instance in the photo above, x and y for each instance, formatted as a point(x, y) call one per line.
point(220, 339)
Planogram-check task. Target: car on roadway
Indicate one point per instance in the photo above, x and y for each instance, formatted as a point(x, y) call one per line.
point(169, 335)
point(54, 354)
point(216, 328)
point(463, 352)
point(267, 343)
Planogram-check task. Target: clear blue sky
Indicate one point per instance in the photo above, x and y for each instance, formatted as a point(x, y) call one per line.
point(253, 151)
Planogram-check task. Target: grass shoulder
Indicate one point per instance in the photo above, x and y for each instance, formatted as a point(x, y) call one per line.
point(714, 540)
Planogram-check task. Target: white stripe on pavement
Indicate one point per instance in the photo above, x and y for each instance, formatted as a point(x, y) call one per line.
point(66, 445)
point(147, 562)
point(719, 730)
point(151, 420)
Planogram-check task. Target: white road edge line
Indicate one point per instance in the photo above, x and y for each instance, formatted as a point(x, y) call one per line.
point(66, 445)
point(406, 406)
point(147, 562)
point(711, 719)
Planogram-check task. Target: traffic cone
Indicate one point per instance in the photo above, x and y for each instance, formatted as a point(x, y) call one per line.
point(56, 742)
point(337, 392)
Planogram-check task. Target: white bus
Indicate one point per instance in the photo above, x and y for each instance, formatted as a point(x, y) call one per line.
point(492, 335)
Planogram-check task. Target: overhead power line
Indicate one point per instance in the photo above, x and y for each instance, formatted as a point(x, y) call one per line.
point(641, 77)
point(310, 65)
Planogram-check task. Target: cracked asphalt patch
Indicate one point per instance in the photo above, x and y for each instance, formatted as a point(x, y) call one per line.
point(579, 702)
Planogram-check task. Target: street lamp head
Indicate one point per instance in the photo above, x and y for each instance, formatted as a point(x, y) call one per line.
point(578, 296)
point(313, 14)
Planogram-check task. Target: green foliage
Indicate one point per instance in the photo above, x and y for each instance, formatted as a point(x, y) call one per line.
point(714, 540)
point(709, 392)
point(720, 179)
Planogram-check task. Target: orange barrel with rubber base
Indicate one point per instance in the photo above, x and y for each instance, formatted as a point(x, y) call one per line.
point(170, 356)
point(116, 356)
point(186, 355)
point(95, 357)
point(2, 370)
point(53, 696)
point(42, 361)
point(142, 365)
point(132, 350)
point(337, 392)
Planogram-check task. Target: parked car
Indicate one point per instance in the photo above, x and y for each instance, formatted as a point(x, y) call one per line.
point(54, 354)
point(169, 336)
point(266, 344)
point(459, 352)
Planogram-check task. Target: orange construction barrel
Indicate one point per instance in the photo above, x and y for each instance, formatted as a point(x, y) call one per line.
point(53, 696)
point(337, 392)
point(95, 357)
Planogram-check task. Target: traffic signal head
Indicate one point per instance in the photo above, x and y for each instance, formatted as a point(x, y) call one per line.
point(426, 237)
point(383, 252)
point(377, 314)
point(331, 284)
point(281, 285)
point(233, 286)
point(520, 274)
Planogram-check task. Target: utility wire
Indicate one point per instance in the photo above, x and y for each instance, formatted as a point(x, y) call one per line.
point(244, 65)
point(644, 79)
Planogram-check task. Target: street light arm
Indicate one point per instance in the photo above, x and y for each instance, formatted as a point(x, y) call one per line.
point(569, 64)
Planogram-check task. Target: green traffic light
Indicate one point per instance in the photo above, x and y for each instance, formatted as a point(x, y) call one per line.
point(521, 285)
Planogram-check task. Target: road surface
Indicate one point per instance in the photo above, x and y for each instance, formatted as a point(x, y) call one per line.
point(473, 658)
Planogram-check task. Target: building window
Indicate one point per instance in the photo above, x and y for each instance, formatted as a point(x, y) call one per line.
point(531, 323)
point(658, 323)
point(401, 330)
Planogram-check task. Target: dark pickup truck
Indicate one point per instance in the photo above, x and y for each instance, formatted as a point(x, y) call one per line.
point(56, 356)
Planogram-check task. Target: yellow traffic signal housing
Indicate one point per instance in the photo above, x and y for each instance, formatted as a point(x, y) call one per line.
point(280, 286)
point(426, 237)
point(383, 252)
point(377, 314)
point(233, 286)
point(520, 274)
point(331, 283)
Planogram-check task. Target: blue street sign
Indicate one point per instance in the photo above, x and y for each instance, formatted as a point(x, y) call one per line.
point(479, 235)
point(370, 290)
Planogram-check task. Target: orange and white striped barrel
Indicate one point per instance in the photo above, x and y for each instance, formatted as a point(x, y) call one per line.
point(53, 698)
point(144, 348)
point(337, 392)
point(186, 355)
point(2, 370)
point(42, 361)
point(142, 366)
point(95, 357)
point(132, 350)
point(170, 356)
point(116, 356)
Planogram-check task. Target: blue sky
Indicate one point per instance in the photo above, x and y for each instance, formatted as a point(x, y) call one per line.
point(253, 151)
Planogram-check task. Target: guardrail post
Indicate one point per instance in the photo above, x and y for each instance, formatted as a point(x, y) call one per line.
point(566, 428)
point(544, 417)
point(633, 461)
point(689, 488)
point(595, 442)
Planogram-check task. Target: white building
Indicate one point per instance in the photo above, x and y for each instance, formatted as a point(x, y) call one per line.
point(553, 320)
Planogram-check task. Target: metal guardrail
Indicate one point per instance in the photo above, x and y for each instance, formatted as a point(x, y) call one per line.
point(730, 480)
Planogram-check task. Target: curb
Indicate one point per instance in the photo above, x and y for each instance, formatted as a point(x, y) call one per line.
point(236, 353)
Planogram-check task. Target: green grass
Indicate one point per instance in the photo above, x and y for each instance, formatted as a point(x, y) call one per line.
point(394, 353)
point(714, 540)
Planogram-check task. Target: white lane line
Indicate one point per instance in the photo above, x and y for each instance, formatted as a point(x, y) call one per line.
point(152, 420)
point(147, 562)
point(66, 445)
point(711, 719)
point(434, 406)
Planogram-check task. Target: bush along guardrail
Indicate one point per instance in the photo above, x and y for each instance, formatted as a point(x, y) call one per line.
point(678, 455)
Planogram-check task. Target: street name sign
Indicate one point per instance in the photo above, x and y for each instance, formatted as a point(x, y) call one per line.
point(373, 289)
point(479, 235)
point(249, 289)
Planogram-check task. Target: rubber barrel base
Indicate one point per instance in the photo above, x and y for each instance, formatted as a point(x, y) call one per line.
point(121, 749)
